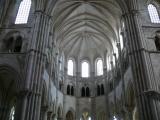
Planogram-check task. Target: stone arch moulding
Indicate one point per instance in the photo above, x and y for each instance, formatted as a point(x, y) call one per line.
point(15, 34)
point(72, 111)
point(60, 111)
point(130, 97)
point(11, 70)
point(44, 94)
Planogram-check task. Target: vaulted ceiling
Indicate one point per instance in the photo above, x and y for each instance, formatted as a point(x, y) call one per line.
point(87, 28)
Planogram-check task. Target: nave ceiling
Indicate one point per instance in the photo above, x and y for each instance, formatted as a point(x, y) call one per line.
point(87, 28)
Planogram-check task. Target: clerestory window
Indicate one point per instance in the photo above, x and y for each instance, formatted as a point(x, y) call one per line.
point(85, 69)
point(153, 13)
point(99, 67)
point(23, 12)
point(70, 67)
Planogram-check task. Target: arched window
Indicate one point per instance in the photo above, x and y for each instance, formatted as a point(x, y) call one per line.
point(102, 89)
point(99, 67)
point(87, 92)
point(68, 90)
point(111, 86)
point(85, 69)
point(83, 92)
point(72, 90)
point(153, 13)
point(121, 40)
point(157, 43)
point(13, 44)
point(70, 67)
point(18, 44)
point(98, 90)
point(9, 44)
point(12, 113)
point(23, 12)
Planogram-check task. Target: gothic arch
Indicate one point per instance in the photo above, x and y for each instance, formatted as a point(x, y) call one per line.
point(69, 116)
point(130, 96)
point(10, 89)
point(4, 68)
point(85, 114)
point(131, 105)
point(13, 41)
point(59, 112)
point(54, 107)
point(44, 100)
point(101, 115)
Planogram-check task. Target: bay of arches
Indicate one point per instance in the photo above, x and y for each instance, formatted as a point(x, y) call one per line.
point(85, 68)
point(70, 90)
point(85, 92)
point(100, 90)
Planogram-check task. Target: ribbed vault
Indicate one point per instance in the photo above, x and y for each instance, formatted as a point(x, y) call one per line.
point(87, 28)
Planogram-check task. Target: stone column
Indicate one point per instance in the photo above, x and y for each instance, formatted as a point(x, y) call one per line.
point(21, 105)
point(106, 88)
point(35, 61)
point(114, 81)
point(93, 108)
point(60, 118)
point(44, 111)
point(49, 115)
point(3, 6)
point(141, 67)
point(78, 90)
point(1, 11)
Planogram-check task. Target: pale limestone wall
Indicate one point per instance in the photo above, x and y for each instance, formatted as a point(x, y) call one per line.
point(69, 104)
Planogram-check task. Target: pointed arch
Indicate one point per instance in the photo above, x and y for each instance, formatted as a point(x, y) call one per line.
point(153, 13)
point(102, 89)
point(98, 90)
point(23, 12)
point(18, 44)
point(157, 42)
point(70, 67)
point(72, 90)
point(87, 92)
point(99, 67)
point(69, 116)
point(68, 90)
point(85, 69)
point(83, 92)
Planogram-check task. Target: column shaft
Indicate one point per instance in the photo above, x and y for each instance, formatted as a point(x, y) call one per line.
point(36, 64)
point(140, 67)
